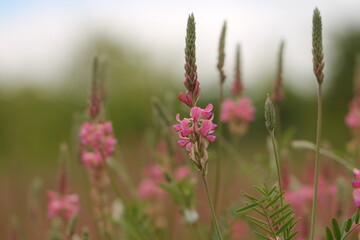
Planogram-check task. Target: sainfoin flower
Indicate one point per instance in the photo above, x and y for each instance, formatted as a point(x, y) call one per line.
point(356, 186)
point(97, 142)
point(60, 205)
point(238, 113)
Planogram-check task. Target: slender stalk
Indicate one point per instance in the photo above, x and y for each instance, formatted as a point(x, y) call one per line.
point(218, 159)
point(317, 154)
point(277, 163)
point(212, 210)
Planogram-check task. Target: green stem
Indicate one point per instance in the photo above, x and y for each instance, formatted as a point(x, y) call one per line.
point(219, 145)
point(277, 160)
point(318, 138)
point(212, 210)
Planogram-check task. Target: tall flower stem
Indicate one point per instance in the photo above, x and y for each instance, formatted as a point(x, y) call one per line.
point(277, 160)
point(317, 155)
point(219, 146)
point(212, 210)
point(318, 65)
point(220, 67)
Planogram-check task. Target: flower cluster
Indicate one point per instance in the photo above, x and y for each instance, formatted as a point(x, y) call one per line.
point(97, 142)
point(353, 117)
point(196, 132)
point(239, 113)
point(356, 186)
point(60, 205)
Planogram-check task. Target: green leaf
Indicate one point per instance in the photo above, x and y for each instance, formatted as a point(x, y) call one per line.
point(329, 235)
point(292, 235)
point(283, 217)
point(348, 225)
point(246, 208)
point(263, 236)
point(284, 226)
point(336, 229)
point(274, 200)
point(278, 211)
point(257, 220)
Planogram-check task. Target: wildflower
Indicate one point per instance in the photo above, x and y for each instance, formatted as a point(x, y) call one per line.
point(356, 186)
point(97, 142)
point(191, 83)
point(239, 113)
point(237, 86)
point(61, 205)
point(117, 210)
point(190, 216)
point(182, 173)
point(196, 132)
point(148, 187)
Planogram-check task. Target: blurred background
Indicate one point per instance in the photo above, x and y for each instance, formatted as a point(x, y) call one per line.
point(46, 50)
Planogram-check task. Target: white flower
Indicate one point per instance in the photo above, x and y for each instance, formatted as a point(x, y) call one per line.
point(190, 216)
point(117, 210)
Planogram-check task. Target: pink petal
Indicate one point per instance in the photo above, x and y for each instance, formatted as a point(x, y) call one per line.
point(211, 138)
point(183, 142)
point(209, 108)
point(189, 146)
point(195, 113)
point(177, 127)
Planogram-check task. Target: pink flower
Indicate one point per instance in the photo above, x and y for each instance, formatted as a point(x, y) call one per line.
point(97, 142)
point(148, 189)
point(240, 110)
point(62, 205)
point(182, 172)
point(91, 158)
point(190, 128)
point(356, 186)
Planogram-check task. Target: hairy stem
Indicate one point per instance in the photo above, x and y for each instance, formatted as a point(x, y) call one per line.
point(218, 159)
point(277, 160)
point(318, 139)
point(212, 210)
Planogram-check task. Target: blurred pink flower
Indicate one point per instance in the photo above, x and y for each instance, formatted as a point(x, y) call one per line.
point(148, 188)
point(62, 205)
point(182, 172)
point(356, 186)
point(239, 110)
point(97, 142)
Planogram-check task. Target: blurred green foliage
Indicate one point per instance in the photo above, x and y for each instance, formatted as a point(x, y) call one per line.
point(33, 122)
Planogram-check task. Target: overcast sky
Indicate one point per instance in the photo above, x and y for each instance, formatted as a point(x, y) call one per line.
point(39, 38)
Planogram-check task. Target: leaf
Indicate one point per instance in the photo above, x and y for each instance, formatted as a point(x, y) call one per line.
point(278, 211)
point(348, 225)
point(292, 235)
point(285, 225)
point(246, 208)
point(262, 236)
point(329, 235)
point(336, 229)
